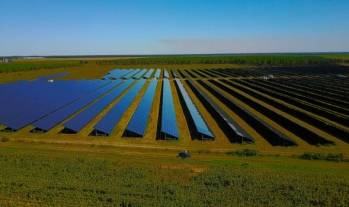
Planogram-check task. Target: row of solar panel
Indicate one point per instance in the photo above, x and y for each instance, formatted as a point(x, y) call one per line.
point(151, 73)
point(135, 74)
point(175, 73)
point(92, 100)
point(86, 99)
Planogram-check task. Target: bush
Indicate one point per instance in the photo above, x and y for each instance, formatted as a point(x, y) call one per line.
point(335, 157)
point(244, 153)
point(318, 156)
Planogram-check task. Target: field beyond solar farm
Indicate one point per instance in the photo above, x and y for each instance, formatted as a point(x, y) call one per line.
point(264, 130)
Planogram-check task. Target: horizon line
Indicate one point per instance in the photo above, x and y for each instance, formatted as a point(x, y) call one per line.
point(175, 54)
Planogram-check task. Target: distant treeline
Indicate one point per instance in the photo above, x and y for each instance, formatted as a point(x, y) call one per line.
point(36, 65)
point(339, 60)
point(270, 60)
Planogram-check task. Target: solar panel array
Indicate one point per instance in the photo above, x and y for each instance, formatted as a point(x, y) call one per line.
point(125, 101)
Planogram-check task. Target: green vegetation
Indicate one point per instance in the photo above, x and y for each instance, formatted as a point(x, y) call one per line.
point(259, 60)
point(338, 58)
point(320, 156)
point(36, 65)
point(244, 153)
point(252, 60)
point(66, 178)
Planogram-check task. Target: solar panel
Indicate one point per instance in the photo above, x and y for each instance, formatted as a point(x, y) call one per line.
point(140, 74)
point(180, 73)
point(157, 73)
point(115, 74)
point(107, 77)
point(138, 123)
point(201, 74)
point(27, 102)
point(11, 104)
point(118, 73)
point(273, 136)
point(197, 125)
point(82, 119)
point(168, 123)
point(149, 73)
point(174, 74)
point(208, 73)
point(109, 121)
point(191, 74)
point(230, 128)
point(166, 74)
point(131, 74)
point(53, 119)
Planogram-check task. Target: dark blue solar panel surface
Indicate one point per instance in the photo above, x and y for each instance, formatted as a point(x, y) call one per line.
point(83, 118)
point(30, 101)
point(168, 114)
point(109, 121)
point(139, 120)
point(149, 73)
point(59, 116)
point(199, 123)
point(157, 73)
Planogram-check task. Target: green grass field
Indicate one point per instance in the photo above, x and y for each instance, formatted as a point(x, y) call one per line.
point(69, 175)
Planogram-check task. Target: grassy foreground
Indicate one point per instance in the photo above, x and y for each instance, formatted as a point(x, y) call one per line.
point(59, 175)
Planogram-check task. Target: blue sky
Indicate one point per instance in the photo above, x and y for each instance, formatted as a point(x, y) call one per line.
point(73, 27)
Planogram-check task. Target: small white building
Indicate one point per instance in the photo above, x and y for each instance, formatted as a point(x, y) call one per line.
point(4, 60)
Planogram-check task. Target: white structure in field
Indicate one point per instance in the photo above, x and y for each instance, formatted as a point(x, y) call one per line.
point(4, 60)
